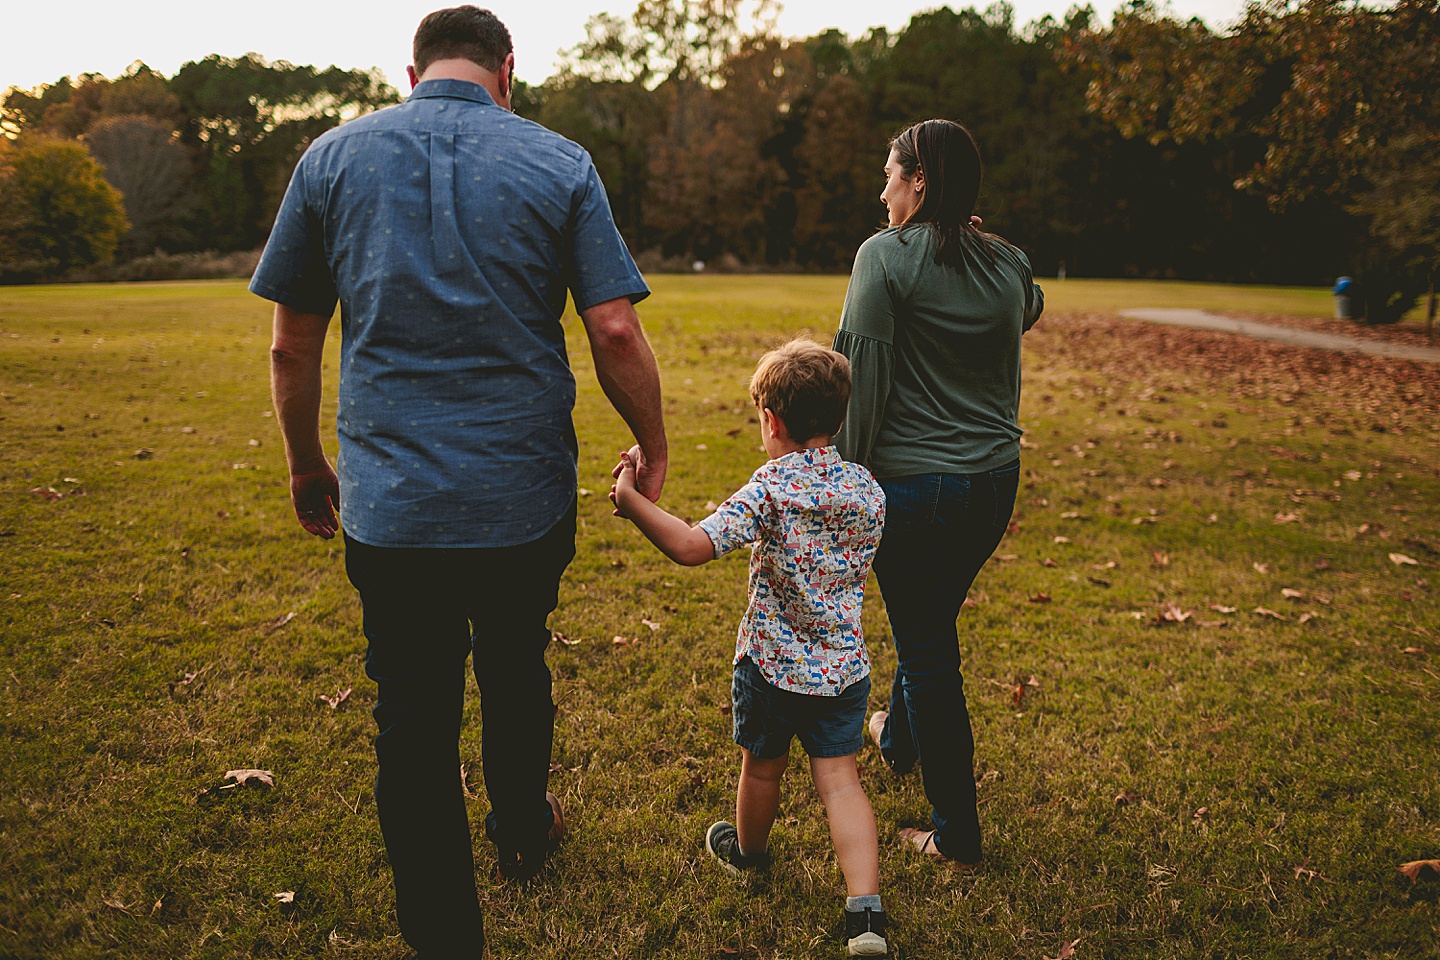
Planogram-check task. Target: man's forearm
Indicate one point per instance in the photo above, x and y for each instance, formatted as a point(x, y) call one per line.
point(295, 384)
point(625, 366)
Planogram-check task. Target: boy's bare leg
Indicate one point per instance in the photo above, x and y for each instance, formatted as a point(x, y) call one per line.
point(757, 800)
point(852, 823)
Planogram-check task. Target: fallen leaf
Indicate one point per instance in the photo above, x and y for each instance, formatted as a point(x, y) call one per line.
point(49, 493)
point(711, 505)
point(1017, 694)
point(1322, 564)
point(276, 624)
point(285, 896)
point(1306, 617)
point(1261, 567)
point(725, 707)
point(1139, 520)
point(1352, 474)
point(1033, 681)
point(1040, 598)
point(1126, 797)
point(1162, 559)
point(1170, 612)
point(1072, 515)
point(1007, 557)
point(1412, 650)
point(1420, 869)
point(620, 641)
point(1109, 565)
point(1221, 608)
point(1159, 482)
point(334, 702)
point(651, 624)
point(557, 635)
point(702, 446)
point(261, 778)
point(1291, 594)
point(1201, 813)
point(115, 903)
point(1067, 950)
point(1287, 518)
point(584, 492)
point(1270, 613)
point(1399, 559)
point(1306, 872)
point(1047, 562)
point(144, 453)
point(1061, 539)
point(1099, 581)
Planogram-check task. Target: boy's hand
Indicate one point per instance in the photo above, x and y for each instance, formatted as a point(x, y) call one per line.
point(624, 474)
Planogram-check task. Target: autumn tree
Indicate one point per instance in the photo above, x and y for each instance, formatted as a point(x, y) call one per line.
point(248, 120)
point(143, 159)
point(1316, 98)
point(62, 212)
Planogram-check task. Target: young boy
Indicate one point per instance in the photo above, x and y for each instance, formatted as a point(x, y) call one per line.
point(800, 663)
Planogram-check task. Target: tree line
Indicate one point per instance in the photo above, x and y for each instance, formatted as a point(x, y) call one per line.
point(1299, 144)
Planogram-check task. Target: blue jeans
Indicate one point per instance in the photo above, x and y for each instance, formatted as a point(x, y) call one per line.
point(426, 611)
point(939, 531)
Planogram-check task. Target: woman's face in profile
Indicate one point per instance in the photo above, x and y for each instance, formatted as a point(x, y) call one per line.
point(900, 196)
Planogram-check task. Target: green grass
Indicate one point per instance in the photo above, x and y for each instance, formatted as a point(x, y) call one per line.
point(142, 657)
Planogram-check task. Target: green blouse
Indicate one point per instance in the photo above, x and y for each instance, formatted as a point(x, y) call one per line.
point(934, 354)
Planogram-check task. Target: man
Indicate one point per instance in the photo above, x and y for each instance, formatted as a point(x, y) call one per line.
point(450, 230)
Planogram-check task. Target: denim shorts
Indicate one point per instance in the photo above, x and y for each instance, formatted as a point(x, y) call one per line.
point(767, 718)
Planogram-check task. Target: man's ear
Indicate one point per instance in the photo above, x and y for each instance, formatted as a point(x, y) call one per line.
point(410, 72)
point(507, 76)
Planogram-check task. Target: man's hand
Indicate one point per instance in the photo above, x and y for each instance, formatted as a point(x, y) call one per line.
point(647, 474)
point(316, 496)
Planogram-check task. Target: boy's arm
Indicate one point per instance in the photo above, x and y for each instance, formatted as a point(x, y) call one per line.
point(686, 545)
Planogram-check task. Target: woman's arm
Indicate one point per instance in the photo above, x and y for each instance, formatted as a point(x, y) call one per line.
point(867, 338)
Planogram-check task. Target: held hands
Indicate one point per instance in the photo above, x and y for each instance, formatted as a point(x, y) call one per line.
point(637, 473)
point(316, 496)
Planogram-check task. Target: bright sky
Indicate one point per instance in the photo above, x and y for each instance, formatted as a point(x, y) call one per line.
point(105, 36)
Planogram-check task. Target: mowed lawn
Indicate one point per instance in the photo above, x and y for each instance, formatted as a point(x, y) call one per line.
point(1204, 667)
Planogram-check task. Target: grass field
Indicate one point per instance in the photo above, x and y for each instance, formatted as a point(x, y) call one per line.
point(163, 620)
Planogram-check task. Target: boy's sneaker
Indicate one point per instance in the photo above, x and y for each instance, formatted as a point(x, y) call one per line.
point(723, 842)
point(865, 933)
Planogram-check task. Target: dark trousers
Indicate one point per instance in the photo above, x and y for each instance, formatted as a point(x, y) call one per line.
point(939, 531)
point(426, 611)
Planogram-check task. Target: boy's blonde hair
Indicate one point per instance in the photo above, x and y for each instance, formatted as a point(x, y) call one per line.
point(806, 385)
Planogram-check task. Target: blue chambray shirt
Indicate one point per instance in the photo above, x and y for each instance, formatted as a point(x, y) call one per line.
point(450, 231)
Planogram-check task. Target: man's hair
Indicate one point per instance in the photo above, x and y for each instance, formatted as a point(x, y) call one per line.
point(464, 33)
point(806, 385)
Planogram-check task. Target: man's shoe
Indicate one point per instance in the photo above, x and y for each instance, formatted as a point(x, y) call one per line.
point(723, 842)
point(865, 933)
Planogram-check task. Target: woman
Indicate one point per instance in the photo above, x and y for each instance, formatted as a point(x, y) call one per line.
point(932, 324)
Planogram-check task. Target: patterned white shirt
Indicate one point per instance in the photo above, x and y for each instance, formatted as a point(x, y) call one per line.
point(814, 521)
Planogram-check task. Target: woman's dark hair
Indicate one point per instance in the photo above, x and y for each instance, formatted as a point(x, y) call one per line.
point(461, 33)
point(946, 153)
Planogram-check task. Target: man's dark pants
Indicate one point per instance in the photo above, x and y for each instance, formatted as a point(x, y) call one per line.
point(425, 611)
point(939, 531)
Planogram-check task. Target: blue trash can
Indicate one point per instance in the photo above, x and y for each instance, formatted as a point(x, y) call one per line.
point(1344, 299)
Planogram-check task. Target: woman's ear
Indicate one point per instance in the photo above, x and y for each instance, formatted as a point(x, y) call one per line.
point(919, 180)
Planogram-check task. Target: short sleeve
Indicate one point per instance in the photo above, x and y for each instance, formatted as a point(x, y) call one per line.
point(739, 520)
point(600, 266)
point(294, 270)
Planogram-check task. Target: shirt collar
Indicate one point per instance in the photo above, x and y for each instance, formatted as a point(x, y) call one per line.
point(453, 90)
point(827, 456)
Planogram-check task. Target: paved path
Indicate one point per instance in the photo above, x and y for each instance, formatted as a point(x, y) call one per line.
point(1287, 335)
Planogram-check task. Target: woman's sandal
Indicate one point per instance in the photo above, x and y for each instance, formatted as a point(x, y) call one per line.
point(877, 725)
point(923, 841)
